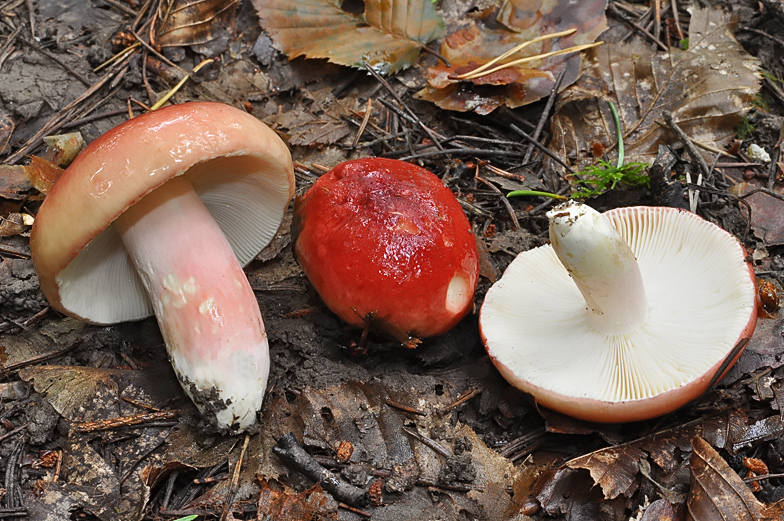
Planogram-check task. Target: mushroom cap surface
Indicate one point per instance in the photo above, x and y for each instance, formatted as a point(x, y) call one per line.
point(386, 238)
point(239, 167)
point(701, 292)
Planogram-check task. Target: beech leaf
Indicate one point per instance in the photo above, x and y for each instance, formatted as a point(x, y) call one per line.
point(615, 469)
point(707, 87)
point(717, 492)
point(194, 22)
point(387, 36)
point(477, 44)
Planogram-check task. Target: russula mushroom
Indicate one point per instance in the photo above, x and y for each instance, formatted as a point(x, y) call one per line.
point(625, 316)
point(386, 244)
point(159, 215)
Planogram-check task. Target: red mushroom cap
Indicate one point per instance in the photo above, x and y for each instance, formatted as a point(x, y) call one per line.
point(386, 239)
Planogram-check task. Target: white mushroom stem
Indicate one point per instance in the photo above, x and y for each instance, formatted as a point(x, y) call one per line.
point(602, 266)
point(207, 312)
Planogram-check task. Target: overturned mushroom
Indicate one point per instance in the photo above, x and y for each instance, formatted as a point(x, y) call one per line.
point(626, 316)
point(158, 216)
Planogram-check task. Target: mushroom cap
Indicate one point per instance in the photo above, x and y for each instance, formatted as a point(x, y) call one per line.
point(240, 168)
point(387, 238)
point(701, 292)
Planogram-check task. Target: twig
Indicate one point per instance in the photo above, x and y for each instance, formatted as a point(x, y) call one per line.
point(762, 33)
point(437, 55)
point(41, 358)
point(349, 507)
point(517, 130)
point(678, 28)
point(389, 89)
point(235, 479)
point(623, 17)
point(13, 432)
point(123, 421)
point(290, 451)
point(463, 398)
point(433, 444)
point(144, 456)
point(122, 7)
point(504, 200)
point(57, 60)
point(58, 120)
point(545, 114)
point(368, 110)
point(463, 151)
point(406, 408)
point(687, 143)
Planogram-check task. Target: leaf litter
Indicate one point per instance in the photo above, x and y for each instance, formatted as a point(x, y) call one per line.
point(423, 481)
point(707, 87)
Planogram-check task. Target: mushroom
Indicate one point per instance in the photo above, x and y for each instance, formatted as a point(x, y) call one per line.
point(625, 316)
point(386, 244)
point(159, 215)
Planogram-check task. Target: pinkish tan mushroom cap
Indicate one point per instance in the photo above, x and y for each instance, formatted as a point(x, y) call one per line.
point(239, 167)
point(158, 216)
point(604, 334)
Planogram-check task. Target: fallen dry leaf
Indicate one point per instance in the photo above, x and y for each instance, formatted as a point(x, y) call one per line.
point(717, 492)
point(615, 469)
point(310, 505)
point(707, 88)
point(387, 35)
point(525, 20)
point(194, 22)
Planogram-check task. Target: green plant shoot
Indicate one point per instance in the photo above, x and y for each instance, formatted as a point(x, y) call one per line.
point(598, 178)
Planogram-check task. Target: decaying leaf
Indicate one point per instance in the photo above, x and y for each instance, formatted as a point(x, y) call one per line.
point(387, 35)
point(68, 388)
point(707, 87)
point(615, 469)
point(525, 20)
point(194, 22)
point(310, 505)
point(717, 492)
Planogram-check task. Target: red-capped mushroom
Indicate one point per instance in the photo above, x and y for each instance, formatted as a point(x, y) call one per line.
point(385, 241)
point(158, 216)
point(627, 315)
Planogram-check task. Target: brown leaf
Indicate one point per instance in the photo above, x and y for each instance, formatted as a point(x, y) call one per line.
point(707, 88)
point(477, 44)
point(14, 182)
point(42, 173)
point(387, 36)
point(194, 22)
point(310, 505)
point(717, 492)
point(615, 469)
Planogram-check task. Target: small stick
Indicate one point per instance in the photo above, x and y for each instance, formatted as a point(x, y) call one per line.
point(235, 479)
point(128, 472)
point(433, 444)
point(469, 151)
point(123, 421)
point(389, 89)
point(614, 10)
point(436, 54)
point(678, 28)
point(687, 143)
point(468, 394)
point(657, 18)
point(57, 60)
point(506, 204)
point(406, 408)
point(289, 450)
point(545, 114)
point(541, 147)
point(41, 358)
point(15, 431)
point(140, 404)
point(368, 110)
point(352, 509)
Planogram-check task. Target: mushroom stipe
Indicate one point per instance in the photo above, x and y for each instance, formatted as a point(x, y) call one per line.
point(159, 215)
point(626, 316)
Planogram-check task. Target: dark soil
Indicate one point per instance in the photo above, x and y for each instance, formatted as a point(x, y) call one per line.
point(311, 349)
